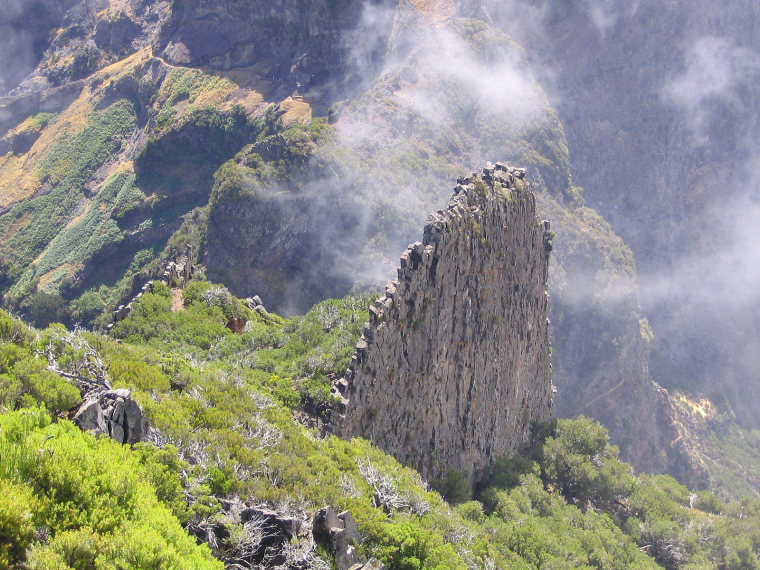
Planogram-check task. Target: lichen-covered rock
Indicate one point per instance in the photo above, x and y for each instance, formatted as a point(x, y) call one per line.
point(89, 417)
point(113, 413)
point(261, 538)
point(454, 364)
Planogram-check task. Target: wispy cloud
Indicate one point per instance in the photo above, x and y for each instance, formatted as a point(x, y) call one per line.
point(714, 70)
point(17, 57)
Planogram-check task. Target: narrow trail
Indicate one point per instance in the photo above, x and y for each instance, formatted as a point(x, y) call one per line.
point(178, 300)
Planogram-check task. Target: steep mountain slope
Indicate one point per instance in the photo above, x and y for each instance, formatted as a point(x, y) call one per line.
point(659, 104)
point(228, 460)
point(25, 29)
point(102, 187)
point(389, 149)
point(300, 209)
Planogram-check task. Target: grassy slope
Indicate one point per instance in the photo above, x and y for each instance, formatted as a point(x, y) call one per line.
point(106, 181)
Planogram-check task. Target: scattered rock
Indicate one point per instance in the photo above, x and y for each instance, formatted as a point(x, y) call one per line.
point(177, 274)
point(339, 534)
point(89, 417)
point(255, 304)
point(266, 533)
point(113, 413)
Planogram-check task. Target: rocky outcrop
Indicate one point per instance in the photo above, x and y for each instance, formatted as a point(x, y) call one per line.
point(265, 534)
point(245, 535)
point(113, 413)
point(453, 366)
point(177, 274)
point(281, 241)
point(13, 109)
point(339, 534)
point(670, 159)
point(24, 31)
point(87, 35)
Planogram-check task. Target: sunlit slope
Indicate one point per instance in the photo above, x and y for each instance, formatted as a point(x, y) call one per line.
point(104, 182)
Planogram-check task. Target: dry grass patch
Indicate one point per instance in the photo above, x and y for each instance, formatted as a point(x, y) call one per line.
point(16, 183)
point(216, 95)
point(20, 176)
point(295, 112)
point(248, 100)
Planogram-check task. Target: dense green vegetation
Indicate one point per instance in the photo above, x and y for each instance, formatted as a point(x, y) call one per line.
point(225, 406)
point(69, 500)
point(104, 201)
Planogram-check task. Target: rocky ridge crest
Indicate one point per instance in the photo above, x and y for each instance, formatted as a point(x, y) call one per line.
point(453, 366)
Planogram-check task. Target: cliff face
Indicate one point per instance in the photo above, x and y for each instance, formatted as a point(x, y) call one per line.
point(298, 41)
point(602, 344)
point(56, 43)
point(25, 28)
point(658, 100)
point(454, 365)
point(296, 242)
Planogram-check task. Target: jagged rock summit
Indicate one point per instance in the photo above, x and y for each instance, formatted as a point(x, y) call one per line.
point(454, 364)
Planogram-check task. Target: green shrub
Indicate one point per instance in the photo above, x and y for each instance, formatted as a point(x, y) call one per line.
point(134, 373)
point(55, 392)
point(407, 546)
point(13, 330)
point(505, 472)
point(27, 382)
point(18, 507)
point(581, 464)
point(160, 289)
point(95, 497)
point(227, 402)
point(472, 510)
point(46, 308)
point(193, 293)
point(454, 487)
point(708, 502)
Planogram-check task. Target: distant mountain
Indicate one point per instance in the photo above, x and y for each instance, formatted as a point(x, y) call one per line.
point(297, 149)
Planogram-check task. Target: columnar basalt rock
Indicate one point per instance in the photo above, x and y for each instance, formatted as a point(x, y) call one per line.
point(454, 364)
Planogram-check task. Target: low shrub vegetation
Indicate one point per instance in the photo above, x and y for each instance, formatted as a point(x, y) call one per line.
point(224, 409)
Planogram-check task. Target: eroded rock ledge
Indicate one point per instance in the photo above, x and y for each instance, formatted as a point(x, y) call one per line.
point(454, 364)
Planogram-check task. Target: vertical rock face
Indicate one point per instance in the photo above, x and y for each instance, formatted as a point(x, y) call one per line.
point(454, 364)
point(299, 41)
point(24, 31)
point(669, 158)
